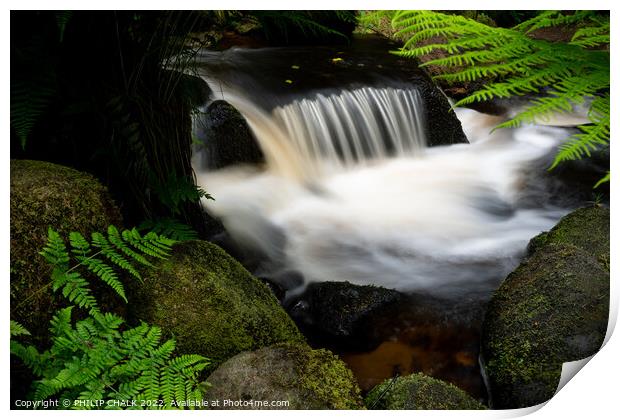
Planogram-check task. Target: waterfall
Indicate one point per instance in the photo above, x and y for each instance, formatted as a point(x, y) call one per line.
point(330, 130)
point(350, 192)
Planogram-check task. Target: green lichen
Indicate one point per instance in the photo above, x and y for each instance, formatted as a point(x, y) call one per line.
point(419, 392)
point(44, 194)
point(552, 309)
point(210, 303)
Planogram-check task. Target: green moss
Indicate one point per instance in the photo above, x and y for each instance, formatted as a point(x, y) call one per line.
point(307, 379)
point(44, 194)
point(326, 377)
point(419, 392)
point(586, 228)
point(552, 309)
point(210, 304)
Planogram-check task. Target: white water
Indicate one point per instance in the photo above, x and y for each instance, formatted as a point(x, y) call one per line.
point(441, 220)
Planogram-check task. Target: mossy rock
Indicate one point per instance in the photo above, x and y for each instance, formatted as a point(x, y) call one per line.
point(44, 194)
point(308, 379)
point(419, 392)
point(586, 228)
point(552, 309)
point(210, 304)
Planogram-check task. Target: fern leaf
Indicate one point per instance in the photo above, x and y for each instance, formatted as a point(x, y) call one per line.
point(603, 180)
point(170, 228)
point(29, 100)
point(99, 241)
point(104, 272)
point(17, 329)
point(55, 251)
point(119, 242)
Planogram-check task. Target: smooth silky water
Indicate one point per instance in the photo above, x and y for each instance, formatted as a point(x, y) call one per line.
point(350, 192)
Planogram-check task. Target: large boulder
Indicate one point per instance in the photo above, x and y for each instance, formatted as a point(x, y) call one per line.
point(307, 379)
point(46, 195)
point(210, 304)
point(419, 392)
point(552, 309)
point(342, 312)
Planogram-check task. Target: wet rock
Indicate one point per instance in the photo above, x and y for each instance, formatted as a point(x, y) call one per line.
point(210, 304)
point(226, 137)
point(342, 312)
point(552, 309)
point(308, 379)
point(46, 195)
point(419, 392)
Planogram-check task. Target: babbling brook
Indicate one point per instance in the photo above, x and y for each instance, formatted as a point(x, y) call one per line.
point(306, 209)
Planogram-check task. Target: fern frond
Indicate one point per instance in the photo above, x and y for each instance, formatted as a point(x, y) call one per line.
point(603, 180)
point(513, 63)
point(114, 236)
point(104, 272)
point(18, 329)
point(106, 248)
point(92, 359)
point(170, 228)
point(55, 251)
point(593, 137)
point(29, 100)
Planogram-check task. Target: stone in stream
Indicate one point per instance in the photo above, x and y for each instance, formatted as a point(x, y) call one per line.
point(210, 304)
point(552, 309)
point(306, 379)
point(341, 312)
point(226, 137)
point(419, 392)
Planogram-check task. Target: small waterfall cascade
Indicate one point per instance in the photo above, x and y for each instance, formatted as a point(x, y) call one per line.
point(354, 126)
point(336, 129)
point(350, 192)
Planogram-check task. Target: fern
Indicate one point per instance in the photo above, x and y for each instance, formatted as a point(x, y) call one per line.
point(176, 190)
point(96, 359)
point(102, 263)
point(512, 62)
point(170, 228)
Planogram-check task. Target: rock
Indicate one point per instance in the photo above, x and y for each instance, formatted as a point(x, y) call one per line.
point(210, 304)
point(341, 311)
point(552, 309)
point(419, 392)
point(586, 228)
point(44, 194)
point(443, 127)
point(226, 137)
point(308, 379)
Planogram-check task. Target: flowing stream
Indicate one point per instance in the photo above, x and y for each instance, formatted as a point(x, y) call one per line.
point(350, 192)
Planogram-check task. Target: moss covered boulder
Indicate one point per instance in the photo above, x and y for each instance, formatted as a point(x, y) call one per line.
point(419, 392)
point(44, 194)
point(210, 304)
point(305, 378)
point(586, 228)
point(552, 309)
